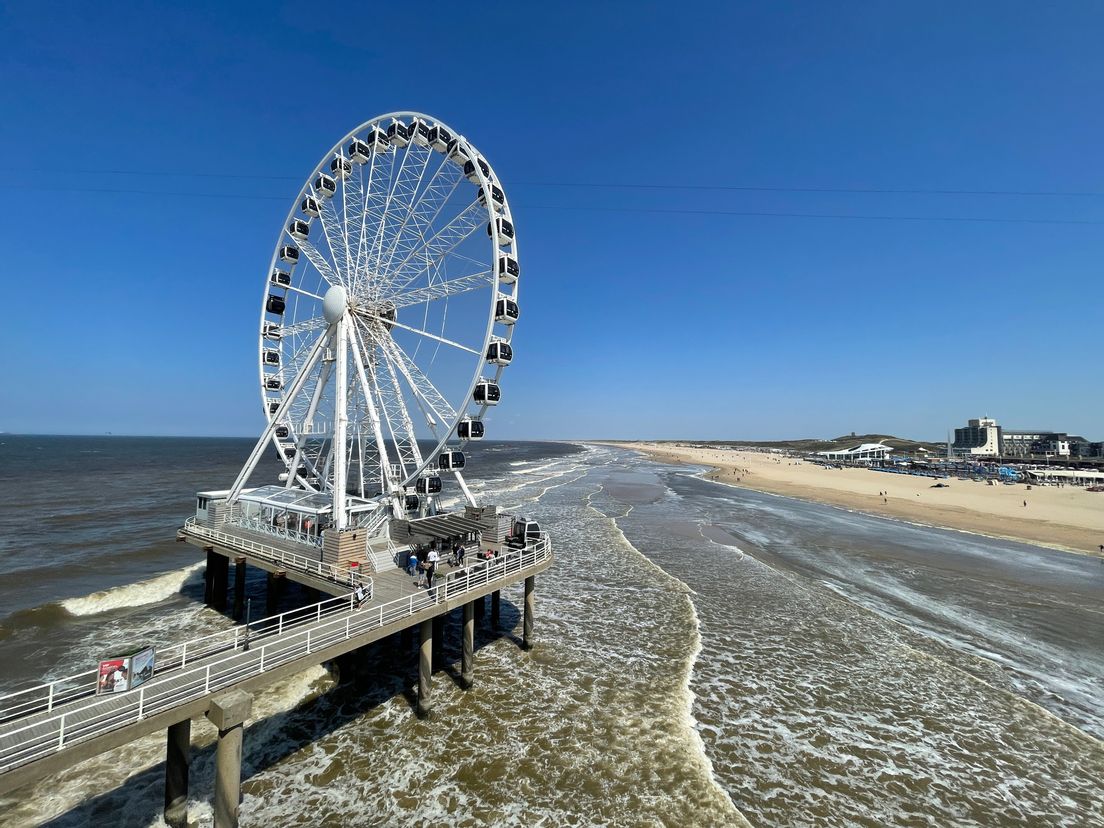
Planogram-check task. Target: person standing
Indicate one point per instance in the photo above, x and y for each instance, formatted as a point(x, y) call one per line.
point(431, 566)
point(412, 563)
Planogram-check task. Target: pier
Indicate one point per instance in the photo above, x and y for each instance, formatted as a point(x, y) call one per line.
point(52, 726)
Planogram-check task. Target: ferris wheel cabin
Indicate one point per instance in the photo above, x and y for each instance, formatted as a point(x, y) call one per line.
point(456, 153)
point(419, 132)
point(281, 432)
point(471, 174)
point(299, 229)
point(505, 229)
point(272, 332)
point(275, 304)
point(271, 356)
point(487, 393)
point(325, 186)
point(506, 311)
point(508, 270)
point(341, 167)
point(439, 137)
point(273, 383)
point(500, 353)
point(310, 206)
point(281, 278)
point(429, 485)
point(450, 460)
point(498, 198)
point(411, 502)
point(398, 133)
point(470, 429)
point(359, 151)
point(289, 253)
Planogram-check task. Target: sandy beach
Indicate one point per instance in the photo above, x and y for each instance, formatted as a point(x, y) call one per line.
point(1065, 518)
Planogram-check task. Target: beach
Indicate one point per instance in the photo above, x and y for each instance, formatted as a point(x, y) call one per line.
point(1067, 517)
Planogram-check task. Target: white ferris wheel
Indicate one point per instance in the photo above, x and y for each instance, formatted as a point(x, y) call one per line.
point(387, 314)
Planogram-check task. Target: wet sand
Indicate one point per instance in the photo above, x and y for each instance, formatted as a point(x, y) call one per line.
point(1068, 518)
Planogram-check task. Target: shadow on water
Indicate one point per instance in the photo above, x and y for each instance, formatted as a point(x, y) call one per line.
point(366, 679)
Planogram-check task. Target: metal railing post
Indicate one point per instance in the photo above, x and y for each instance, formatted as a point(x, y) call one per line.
point(141, 701)
point(184, 654)
point(61, 732)
point(262, 658)
point(207, 680)
point(308, 641)
point(50, 700)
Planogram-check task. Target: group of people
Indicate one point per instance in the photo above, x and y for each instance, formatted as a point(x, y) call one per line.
point(422, 562)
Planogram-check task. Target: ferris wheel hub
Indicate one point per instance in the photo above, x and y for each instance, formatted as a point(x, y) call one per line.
point(334, 303)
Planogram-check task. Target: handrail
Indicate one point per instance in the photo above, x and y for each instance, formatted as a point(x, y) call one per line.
point(267, 529)
point(280, 556)
point(281, 639)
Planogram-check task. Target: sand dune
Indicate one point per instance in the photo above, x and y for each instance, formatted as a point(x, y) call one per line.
point(1066, 518)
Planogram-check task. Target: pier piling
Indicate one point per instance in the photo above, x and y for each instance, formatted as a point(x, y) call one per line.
point(496, 608)
point(275, 591)
point(481, 608)
point(208, 576)
point(425, 663)
point(530, 612)
point(177, 759)
point(438, 642)
point(468, 646)
point(220, 582)
point(239, 588)
point(228, 713)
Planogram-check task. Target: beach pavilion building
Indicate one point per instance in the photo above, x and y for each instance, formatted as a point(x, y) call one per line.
point(865, 453)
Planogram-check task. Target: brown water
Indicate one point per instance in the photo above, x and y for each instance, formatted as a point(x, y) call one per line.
point(705, 654)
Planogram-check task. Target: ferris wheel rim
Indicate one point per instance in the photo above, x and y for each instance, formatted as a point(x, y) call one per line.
point(449, 438)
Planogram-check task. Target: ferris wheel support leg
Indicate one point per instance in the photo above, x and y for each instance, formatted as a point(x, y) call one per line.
point(464, 488)
point(258, 449)
point(341, 423)
point(373, 415)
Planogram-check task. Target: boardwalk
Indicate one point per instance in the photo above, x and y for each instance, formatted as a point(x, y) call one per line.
point(54, 726)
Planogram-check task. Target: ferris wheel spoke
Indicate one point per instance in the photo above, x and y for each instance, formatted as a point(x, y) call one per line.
point(403, 202)
point(426, 209)
point(444, 241)
point(420, 384)
point(419, 331)
point(440, 290)
point(331, 229)
point(393, 188)
point(389, 394)
point(305, 326)
point(370, 196)
point(317, 258)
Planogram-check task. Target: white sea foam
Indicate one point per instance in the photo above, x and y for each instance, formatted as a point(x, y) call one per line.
point(150, 591)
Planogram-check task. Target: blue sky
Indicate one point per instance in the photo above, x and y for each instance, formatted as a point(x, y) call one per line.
point(131, 300)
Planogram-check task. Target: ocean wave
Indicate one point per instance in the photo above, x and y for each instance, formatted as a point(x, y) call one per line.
point(150, 591)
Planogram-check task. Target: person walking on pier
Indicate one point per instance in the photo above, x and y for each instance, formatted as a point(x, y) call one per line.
point(431, 566)
point(412, 564)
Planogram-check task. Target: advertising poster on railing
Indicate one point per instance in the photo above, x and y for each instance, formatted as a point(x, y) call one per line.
point(114, 676)
point(141, 667)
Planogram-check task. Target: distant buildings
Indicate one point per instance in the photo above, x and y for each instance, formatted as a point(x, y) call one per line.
point(980, 438)
point(860, 454)
point(984, 438)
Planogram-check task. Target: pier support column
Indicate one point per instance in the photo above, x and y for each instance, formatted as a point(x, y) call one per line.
point(438, 642)
point(275, 591)
point(220, 583)
point(239, 588)
point(425, 665)
point(496, 608)
point(468, 646)
point(209, 576)
point(530, 612)
point(177, 758)
point(228, 713)
point(481, 608)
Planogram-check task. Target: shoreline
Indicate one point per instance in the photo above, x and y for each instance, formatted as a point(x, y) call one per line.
point(1068, 520)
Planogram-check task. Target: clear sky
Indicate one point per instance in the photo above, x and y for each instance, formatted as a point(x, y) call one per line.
point(676, 309)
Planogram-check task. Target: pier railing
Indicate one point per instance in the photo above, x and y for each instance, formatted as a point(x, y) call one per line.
point(273, 554)
point(206, 665)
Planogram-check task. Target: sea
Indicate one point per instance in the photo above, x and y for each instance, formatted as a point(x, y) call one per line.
point(705, 656)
